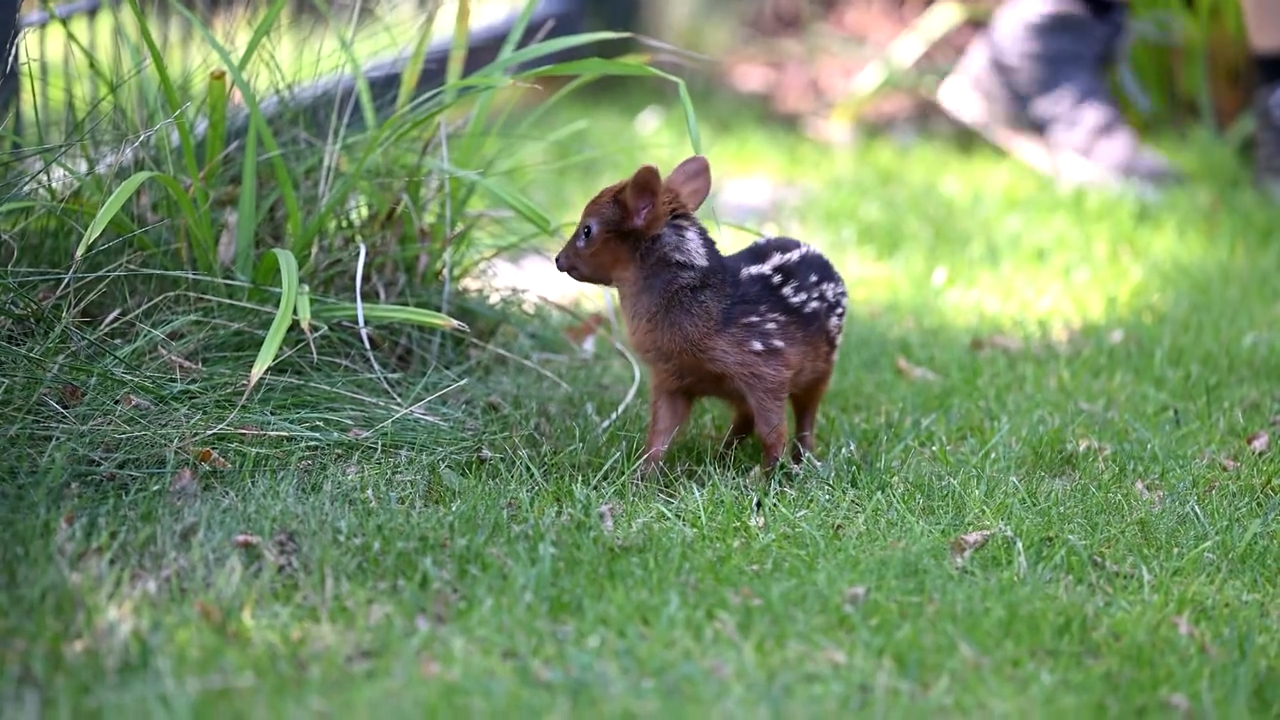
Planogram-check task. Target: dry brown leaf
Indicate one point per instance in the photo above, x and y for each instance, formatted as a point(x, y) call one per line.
point(835, 656)
point(179, 362)
point(964, 546)
point(1186, 629)
point(132, 401)
point(606, 517)
point(208, 456)
point(210, 613)
point(1259, 442)
point(227, 240)
point(71, 394)
point(1228, 464)
point(914, 372)
point(184, 483)
point(1005, 343)
point(284, 551)
point(854, 596)
point(429, 667)
point(1153, 494)
point(1179, 702)
point(744, 596)
point(246, 540)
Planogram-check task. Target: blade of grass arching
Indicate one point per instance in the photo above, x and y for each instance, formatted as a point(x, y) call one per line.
point(287, 264)
point(413, 71)
point(301, 244)
point(118, 197)
point(171, 97)
point(217, 128)
point(247, 205)
point(389, 313)
point(548, 47)
point(508, 46)
point(474, 137)
point(626, 66)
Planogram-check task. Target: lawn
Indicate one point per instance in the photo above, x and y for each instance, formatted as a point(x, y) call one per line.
point(1080, 379)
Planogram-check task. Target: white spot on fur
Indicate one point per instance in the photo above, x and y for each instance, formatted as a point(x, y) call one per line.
point(771, 325)
point(777, 343)
point(774, 262)
point(756, 346)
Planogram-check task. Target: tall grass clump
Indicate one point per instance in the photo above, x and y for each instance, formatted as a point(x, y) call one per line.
point(232, 254)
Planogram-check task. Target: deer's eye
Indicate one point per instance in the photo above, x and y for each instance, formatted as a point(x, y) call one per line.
point(586, 232)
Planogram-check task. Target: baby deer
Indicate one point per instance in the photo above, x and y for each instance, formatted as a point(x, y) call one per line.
point(754, 328)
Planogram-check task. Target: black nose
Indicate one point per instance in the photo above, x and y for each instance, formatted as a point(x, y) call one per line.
point(560, 263)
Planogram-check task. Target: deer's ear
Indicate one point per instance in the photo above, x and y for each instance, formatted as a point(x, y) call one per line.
point(691, 181)
point(642, 200)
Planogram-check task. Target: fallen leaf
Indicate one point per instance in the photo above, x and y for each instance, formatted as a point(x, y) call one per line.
point(1155, 495)
point(429, 667)
point(1259, 442)
point(178, 362)
point(131, 401)
point(245, 540)
point(1087, 444)
point(914, 372)
point(184, 483)
point(606, 517)
point(210, 613)
point(744, 595)
point(996, 342)
point(1228, 464)
point(835, 656)
point(854, 596)
point(71, 394)
point(227, 240)
point(208, 456)
point(357, 433)
point(964, 546)
point(1179, 702)
point(284, 551)
point(1186, 629)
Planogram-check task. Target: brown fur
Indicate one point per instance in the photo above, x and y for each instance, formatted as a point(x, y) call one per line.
point(674, 315)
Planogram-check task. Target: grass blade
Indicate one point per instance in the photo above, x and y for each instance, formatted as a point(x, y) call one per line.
point(389, 313)
point(288, 266)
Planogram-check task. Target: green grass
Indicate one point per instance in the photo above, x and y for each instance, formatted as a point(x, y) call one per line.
point(89, 63)
point(464, 566)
